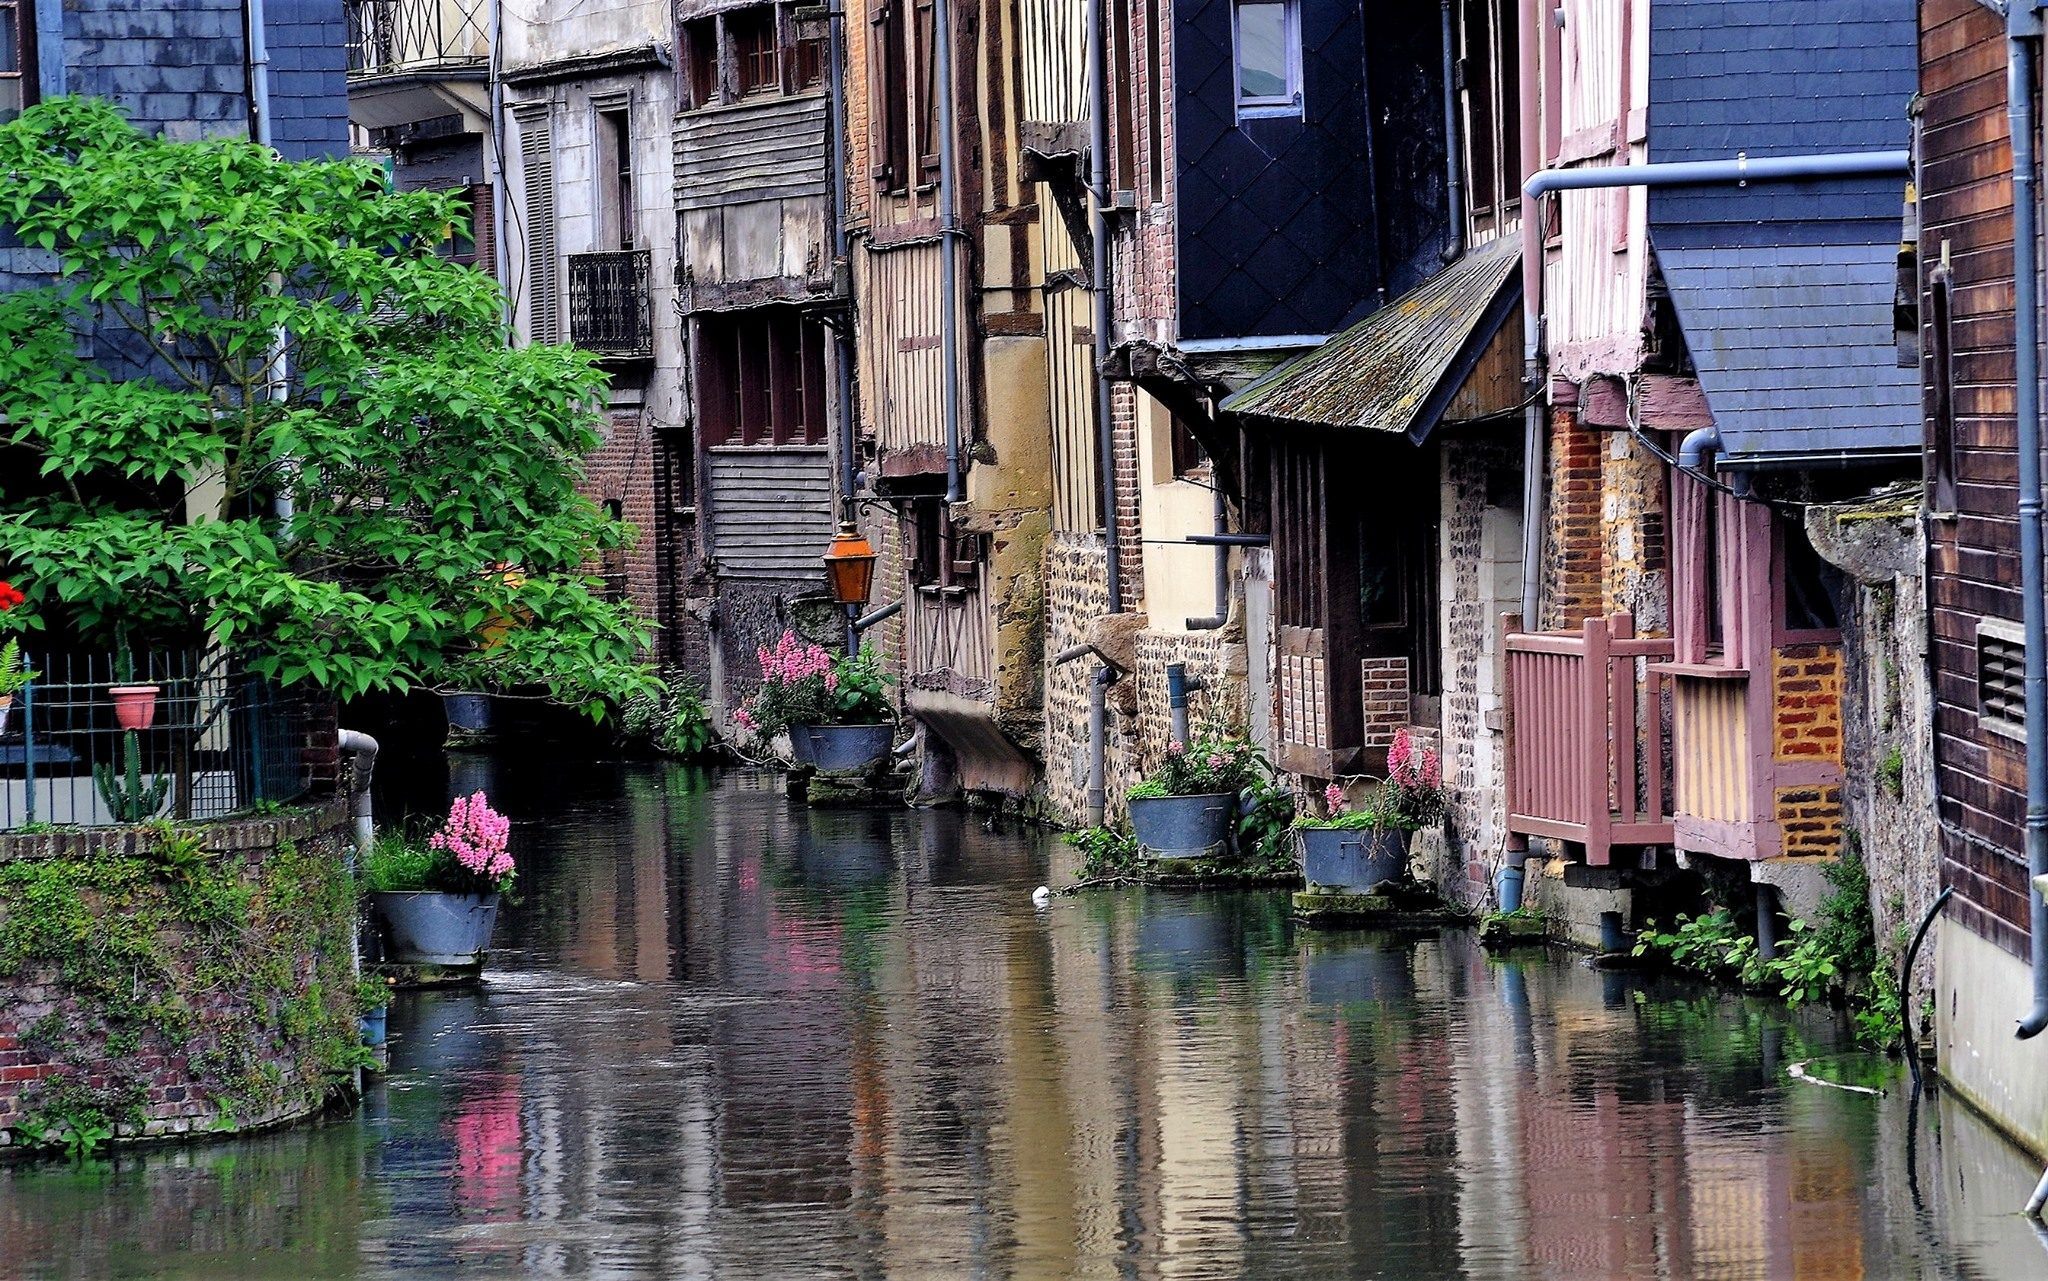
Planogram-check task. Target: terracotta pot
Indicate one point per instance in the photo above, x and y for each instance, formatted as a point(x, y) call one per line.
point(6, 710)
point(134, 705)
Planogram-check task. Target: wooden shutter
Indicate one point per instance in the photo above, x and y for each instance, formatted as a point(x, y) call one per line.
point(536, 147)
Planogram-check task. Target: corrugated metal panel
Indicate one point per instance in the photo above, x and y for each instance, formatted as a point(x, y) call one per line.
point(766, 149)
point(1396, 371)
point(771, 511)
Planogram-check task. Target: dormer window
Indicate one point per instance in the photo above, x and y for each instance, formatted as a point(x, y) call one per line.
point(1268, 36)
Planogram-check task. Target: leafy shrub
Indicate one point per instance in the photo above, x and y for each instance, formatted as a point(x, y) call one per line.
point(1107, 853)
point(1213, 764)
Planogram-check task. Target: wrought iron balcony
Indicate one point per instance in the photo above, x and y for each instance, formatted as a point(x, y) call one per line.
point(416, 37)
point(609, 310)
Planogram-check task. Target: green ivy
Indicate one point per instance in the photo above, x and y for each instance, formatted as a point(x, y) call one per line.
point(235, 963)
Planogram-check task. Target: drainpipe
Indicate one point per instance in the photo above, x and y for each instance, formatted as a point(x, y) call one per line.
point(1454, 172)
point(1741, 171)
point(1766, 922)
point(1099, 681)
point(2023, 28)
point(362, 750)
point(1222, 569)
point(1178, 687)
point(1529, 85)
point(255, 33)
point(1099, 286)
point(949, 245)
point(842, 333)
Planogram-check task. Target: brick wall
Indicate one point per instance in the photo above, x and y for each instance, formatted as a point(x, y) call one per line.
point(1130, 528)
point(1573, 556)
point(230, 1056)
point(1384, 685)
point(622, 470)
point(1806, 687)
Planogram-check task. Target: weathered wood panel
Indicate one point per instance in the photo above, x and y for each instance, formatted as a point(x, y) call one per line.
point(1070, 383)
point(1966, 207)
point(761, 149)
point(770, 510)
point(1053, 35)
point(902, 356)
point(952, 641)
point(1710, 727)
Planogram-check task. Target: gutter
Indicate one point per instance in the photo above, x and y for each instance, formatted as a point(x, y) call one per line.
point(1740, 171)
point(949, 238)
point(1099, 286)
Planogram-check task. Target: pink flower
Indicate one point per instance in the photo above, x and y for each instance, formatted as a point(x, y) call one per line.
point(745, 721)
point(1176, 749)
point(1333, 796)
point(831, 682)
point(478, 837)
point(1215, 760)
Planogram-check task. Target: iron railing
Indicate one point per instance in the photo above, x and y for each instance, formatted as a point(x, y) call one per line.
point(216, 740)
point(394, 37)
point(609, 303)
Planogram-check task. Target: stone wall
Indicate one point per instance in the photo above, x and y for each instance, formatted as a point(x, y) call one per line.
point(187, 981)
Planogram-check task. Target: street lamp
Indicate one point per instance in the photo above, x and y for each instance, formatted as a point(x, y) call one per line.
point(850, 569)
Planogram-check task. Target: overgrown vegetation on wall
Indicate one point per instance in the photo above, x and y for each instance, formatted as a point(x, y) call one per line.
point(165, 986)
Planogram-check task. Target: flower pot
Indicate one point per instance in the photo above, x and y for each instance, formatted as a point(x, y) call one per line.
point(428, 927)
point(1353, 859)
point(134, 705)
point(6, 710)
point(841, 749)
point(469, 715)
point(373, 1025)
point(1183, 826)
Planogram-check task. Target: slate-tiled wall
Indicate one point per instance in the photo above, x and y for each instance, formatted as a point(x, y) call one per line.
point(308, 78)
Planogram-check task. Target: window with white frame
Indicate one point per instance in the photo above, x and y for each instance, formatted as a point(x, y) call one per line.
point(1268, 58)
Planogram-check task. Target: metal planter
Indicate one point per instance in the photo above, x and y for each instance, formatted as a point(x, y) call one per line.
point(841, 750)
point(1353, 859)
point(1183, 826)
point(427, 927)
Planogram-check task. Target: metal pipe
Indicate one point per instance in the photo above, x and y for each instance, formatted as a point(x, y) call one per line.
point(1229, 540)
point(1222, 571)
point(1766, 923)
point(1098, 739)
point(842, 335)
point(1454, 169)
point(1740, 171)
point(2023, 28)
point(1099, 271)
point(949, 247)
point(1699, 445)
point(1178, 687)
point(877, 617)
point(1906, 977)
point(362, 752)
point(1529, 22)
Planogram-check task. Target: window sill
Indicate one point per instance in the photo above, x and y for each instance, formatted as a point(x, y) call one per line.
point(1268, 111)
point(1701, 671)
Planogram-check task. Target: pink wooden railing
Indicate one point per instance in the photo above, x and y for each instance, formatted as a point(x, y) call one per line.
point(1585, 736)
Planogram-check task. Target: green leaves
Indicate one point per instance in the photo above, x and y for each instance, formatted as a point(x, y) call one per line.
point(225, 329)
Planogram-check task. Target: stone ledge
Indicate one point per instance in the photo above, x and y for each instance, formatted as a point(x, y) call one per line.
point(223, 835)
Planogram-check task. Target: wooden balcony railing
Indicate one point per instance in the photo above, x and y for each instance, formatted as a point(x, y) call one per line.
point(1586, 736)
point(609, 303)
point(407, 37)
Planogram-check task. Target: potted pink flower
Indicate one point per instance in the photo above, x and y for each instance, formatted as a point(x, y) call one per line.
point(834, 709)
point(1357, 846)
point(436, 901)
point(1188, 806)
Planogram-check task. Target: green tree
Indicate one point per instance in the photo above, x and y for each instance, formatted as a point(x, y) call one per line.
point(153, 418)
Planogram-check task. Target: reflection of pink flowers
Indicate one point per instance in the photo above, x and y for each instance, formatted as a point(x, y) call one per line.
point(477, 836)
point(489, 1147)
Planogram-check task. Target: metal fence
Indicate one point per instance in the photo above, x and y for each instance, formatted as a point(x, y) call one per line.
point(208, 741)
point(609, 308)
point(387, 37)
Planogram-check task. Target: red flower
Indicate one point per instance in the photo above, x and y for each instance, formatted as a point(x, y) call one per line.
point(10, 596)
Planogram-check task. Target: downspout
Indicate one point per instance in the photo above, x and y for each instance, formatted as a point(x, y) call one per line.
point(361, 749)
point(1178, 687)
point(842, 333)
point(1222, 571)
point(1529, 86)
point(1099, 285)
point(949, 256)
point(278, 362)
point(2023, 28)
point(1454, 171)
point(1099, 681)
point(1741, 171)
point(501, 193)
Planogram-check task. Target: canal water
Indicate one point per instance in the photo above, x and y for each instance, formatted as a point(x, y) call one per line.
point(730, 1037)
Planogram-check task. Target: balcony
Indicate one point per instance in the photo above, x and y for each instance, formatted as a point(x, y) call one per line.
point(1586, 737)
point(416, 60)
point(609, 309)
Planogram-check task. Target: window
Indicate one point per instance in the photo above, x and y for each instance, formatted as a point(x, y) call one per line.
point(17, 57)
point(1268, 39)
point(615, 202)
point(761, 378)
point(2001, 678)
point(891, 84)
point(940, 554)
point(1810, 585)
point(755, 51)
point(1188, 455)
point(927, 64)
point(1489, 71)
point(1941, 405)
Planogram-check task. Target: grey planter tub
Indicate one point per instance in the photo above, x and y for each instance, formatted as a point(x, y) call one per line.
point(1353, 860)
point(426, 927)
point(469, 715)
point(841, 749)
point(1183, 826)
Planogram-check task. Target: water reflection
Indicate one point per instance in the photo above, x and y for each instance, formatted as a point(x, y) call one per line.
point(734, 1037)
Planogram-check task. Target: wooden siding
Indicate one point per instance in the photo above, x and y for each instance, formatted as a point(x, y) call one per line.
point(1973, 565)
point(763, 149)
point(951, 638)
point(1711, 719)
point(771, 511)
point(1070, 383)
point(902, 362)
point(1594, 278)
point(1054, 58)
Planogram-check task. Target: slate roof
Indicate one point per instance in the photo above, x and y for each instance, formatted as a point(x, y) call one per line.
point(1396, 370)
point(1785, 291)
